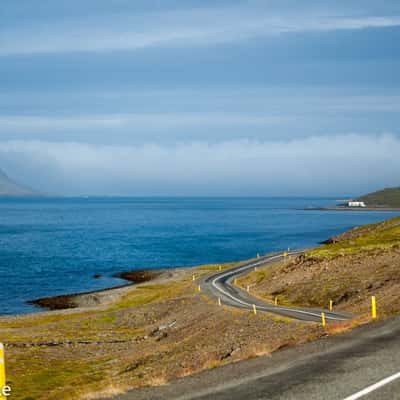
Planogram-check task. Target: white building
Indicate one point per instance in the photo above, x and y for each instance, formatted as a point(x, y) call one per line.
point(356, 204)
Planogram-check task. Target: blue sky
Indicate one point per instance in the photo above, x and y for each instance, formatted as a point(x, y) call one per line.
point(200, 97)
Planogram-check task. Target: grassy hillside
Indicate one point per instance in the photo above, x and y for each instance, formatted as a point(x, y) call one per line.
point(389, 197)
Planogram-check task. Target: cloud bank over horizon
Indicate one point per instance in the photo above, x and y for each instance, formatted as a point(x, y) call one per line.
point(218, 97)
point(315, 165)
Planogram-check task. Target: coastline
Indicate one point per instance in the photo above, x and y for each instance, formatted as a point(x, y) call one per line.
point(103, 296)
point(150, 334)
point(340, 208)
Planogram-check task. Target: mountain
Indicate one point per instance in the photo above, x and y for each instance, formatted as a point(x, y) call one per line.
point(389, 197)
point(8, 188)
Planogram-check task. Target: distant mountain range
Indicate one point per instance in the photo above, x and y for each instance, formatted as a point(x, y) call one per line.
point(389, 197)
point(8, 188)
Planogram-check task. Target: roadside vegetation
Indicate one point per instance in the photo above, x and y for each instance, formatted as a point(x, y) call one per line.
point(157, 331)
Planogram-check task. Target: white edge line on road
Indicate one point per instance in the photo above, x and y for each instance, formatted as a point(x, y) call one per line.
point(261, 307)
point(374, 387)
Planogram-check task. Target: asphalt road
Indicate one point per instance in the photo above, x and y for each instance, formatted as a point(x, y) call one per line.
point(221, 286)
point(350, 366)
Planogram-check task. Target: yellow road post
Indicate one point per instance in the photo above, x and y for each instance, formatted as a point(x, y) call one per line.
point(220, 267)
point(193, 277)
point(254, 309)
point(199, 288)
point(323, 319)
point(2, 371)
point(276, 301)
point(219, 301)
point(248, 288)
point(373, 304)
point(330, 305)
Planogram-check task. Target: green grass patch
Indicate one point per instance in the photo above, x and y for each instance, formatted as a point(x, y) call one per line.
point(383, 239)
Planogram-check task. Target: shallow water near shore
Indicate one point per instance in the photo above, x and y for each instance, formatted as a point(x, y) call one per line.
point(51, 247)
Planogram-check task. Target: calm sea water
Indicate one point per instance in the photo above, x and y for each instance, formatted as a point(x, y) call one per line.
point(55, 246)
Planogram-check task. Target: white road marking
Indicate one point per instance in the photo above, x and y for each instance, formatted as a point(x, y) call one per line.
point(216, 286)
point(374, 387)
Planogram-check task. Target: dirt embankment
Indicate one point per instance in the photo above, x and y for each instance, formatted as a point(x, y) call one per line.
point(348, 280)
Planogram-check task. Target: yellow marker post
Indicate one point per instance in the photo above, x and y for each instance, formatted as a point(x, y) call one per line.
point(323, 319)
point(284, 254)
point(373, 303)
point(199, 288)
point(193, 277)
point(248, 288)
point(330, 305)
point(219, 301)
point(276, 301)
point(2, 371)
point(254, 309)
point(220, 267)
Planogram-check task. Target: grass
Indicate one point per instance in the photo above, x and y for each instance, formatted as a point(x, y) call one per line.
point(146, 294)
point(387, 197)
point(42, 371)
point(381, 239)
point(215, 267)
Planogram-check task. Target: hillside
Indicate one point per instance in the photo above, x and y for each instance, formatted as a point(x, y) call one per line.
point(9, 188)
point(348, 270)
point(389, 197)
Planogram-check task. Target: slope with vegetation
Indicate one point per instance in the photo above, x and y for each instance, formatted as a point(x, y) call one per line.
point(389, 197)
point(349, 270)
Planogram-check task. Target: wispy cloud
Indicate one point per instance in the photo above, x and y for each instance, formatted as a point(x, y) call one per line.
point(317, 165)
point(199, 27)
point(115, 121)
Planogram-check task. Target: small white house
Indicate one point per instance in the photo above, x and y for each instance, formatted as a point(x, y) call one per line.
point(356, 204)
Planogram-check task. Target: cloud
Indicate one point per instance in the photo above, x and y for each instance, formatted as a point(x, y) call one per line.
point(314, 165)
point(199, 27)
point(165, 120)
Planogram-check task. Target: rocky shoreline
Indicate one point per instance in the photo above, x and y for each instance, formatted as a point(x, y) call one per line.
point(97, 297)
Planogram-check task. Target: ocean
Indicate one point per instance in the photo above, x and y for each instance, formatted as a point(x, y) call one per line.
point(56, 246)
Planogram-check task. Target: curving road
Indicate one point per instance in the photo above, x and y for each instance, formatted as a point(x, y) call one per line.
point(221, 286)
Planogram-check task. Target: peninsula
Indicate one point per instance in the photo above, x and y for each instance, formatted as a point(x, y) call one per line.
point(382, 200)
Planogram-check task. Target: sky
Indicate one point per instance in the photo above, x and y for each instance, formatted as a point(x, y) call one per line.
point(200, 98)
